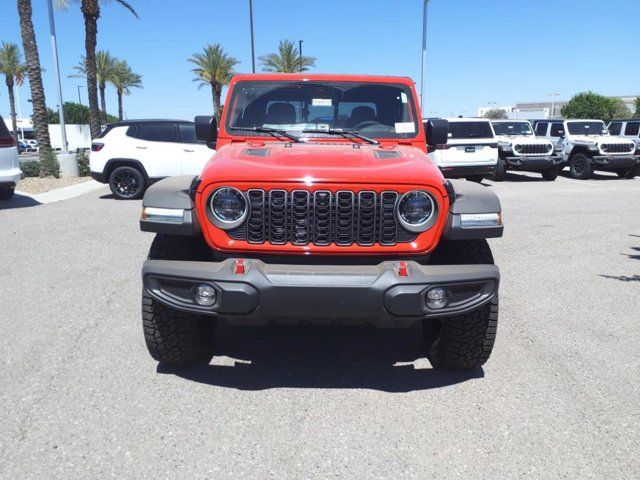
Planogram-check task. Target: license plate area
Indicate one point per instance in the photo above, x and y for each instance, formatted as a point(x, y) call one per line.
point(470, 149)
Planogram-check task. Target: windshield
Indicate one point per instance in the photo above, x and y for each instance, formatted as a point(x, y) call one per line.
point(512, 128)
point(587, 128)
point(462, 130)
point(379, 110)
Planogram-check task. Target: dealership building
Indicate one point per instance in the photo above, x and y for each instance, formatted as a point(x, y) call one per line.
point(543, 110)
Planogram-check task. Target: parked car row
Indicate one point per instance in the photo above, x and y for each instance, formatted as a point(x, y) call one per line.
point(479, 148)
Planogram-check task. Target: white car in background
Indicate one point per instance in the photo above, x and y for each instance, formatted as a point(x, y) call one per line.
point(132, 154)
point(9, 163)
point(629, 128)
point(471, 150)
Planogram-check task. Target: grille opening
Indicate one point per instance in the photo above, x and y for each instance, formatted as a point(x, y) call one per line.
point(322, 218)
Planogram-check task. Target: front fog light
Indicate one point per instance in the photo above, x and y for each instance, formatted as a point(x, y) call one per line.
point(436, 297)
point(205, 295)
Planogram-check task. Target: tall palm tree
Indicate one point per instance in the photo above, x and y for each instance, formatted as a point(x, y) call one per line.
point(215, 68)
point(34, 72)
point(91, 12)
point(104, 67)
point(287, 60)
point(123, 79)
point(14, 70)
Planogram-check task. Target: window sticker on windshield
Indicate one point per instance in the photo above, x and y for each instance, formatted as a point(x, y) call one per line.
point(321, 102)
point(405, 127)
point(403, 97)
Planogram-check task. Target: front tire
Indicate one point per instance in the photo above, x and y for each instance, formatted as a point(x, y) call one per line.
point(629, 173)
point(127, 183)
point(501, 171)
point(6, 193)
point(475, 178)
point(580, 167)
point(174, 337)
point(465, 341)
point(550, 174)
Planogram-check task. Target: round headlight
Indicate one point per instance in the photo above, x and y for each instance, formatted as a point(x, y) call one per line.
point(417, 211)
point(519, 148)
point(228, 207)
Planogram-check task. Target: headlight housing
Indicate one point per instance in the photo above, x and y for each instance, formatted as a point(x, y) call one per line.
point(417, 211)
point(228, 208)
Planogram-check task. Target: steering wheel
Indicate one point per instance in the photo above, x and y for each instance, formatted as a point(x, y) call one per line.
point(365, 124)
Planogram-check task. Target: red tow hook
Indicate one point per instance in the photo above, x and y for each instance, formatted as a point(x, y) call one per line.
point(403, 269)
point(238, 268)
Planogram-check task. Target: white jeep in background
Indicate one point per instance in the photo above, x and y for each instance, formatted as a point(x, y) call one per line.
point(132, 154)
point(629, 128)
point(586, 146)
point(519, 149)
point(471, 150)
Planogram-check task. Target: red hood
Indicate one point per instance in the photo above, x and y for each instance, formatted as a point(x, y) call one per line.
point(339, 163)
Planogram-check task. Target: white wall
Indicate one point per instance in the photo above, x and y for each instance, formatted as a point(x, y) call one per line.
point(78, 136)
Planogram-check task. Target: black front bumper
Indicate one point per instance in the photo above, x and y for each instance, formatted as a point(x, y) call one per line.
point(449, 171)
point(614, 162)
point(532, 164)
point(265, 293)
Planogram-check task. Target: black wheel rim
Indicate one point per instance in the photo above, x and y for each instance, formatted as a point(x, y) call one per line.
point(578, 165)
point(126, 183)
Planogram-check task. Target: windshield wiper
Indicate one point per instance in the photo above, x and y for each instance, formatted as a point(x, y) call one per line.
point(272, 131)
point(344, 133)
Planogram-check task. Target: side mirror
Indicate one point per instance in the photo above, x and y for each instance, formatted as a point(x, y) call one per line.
point(437, 133)
point(207, 130)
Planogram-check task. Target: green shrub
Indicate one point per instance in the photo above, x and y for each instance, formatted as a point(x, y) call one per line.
point(49, 165)
point(30, 168)
point(83, 164)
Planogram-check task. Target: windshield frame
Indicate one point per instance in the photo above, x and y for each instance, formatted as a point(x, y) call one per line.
point(227, 128)
point(604, 132)
point(521, 134)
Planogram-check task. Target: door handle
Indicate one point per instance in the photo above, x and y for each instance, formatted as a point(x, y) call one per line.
point(187, 150)
point(141, 148)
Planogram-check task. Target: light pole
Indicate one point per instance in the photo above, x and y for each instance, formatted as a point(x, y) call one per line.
point(425, 9)
point(19, 111)
point(54, 46)
point(553, 103)
point(79, 97)
point(253, 51)
point(300, 43)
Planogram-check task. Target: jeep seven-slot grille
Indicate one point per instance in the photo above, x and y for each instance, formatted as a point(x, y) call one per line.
point(534, 149)
point(302, 217)
point(616, 148)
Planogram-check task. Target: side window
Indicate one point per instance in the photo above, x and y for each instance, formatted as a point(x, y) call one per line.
point(187, 133)
point(541, 129)
point(158, 132)
point(615, 128)
point(557, 130)
point(632, 130)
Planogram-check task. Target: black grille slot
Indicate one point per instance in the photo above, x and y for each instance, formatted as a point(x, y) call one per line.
point(300, 217)
point(616, 148)
point(367, 218)
point(322, 218)
point(278, 217)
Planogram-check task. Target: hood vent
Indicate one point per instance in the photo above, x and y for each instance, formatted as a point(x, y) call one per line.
point(386, 154)
point(256, 152)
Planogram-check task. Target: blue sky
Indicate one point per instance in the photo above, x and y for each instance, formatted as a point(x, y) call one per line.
point(479, 51)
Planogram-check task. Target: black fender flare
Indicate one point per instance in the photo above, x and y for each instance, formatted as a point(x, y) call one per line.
point(114, 163)
point(472, 198)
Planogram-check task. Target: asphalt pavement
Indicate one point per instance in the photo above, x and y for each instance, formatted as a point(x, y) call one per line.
point(559, 398)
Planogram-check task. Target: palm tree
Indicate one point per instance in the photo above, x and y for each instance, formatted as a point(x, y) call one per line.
point(13, 69)
point(104, 66)
point(215, 68)
point(287, 60)
point(123, 79)
point(91, 11)
point(34, 72)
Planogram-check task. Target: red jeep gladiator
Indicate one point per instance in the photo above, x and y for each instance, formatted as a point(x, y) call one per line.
point(321, 205)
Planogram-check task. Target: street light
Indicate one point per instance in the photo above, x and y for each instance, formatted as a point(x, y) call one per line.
point(79, 97)
point(54, 46)
point(553, 105)
point(424, 52)
point(300, 43)
point(253, 52)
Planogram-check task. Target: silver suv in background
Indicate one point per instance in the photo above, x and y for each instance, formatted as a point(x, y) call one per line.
point(9, 164)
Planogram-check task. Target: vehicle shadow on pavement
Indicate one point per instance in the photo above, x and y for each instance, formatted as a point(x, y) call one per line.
point(321, 357)
point(18, 201)
point(627, 278)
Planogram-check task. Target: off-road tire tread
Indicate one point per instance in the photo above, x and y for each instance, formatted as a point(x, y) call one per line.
point(501, 171)
point(462, 252)
point(550, 174)
point(174, 337)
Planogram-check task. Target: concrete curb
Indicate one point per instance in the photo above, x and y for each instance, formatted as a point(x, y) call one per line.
point(64, 193)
